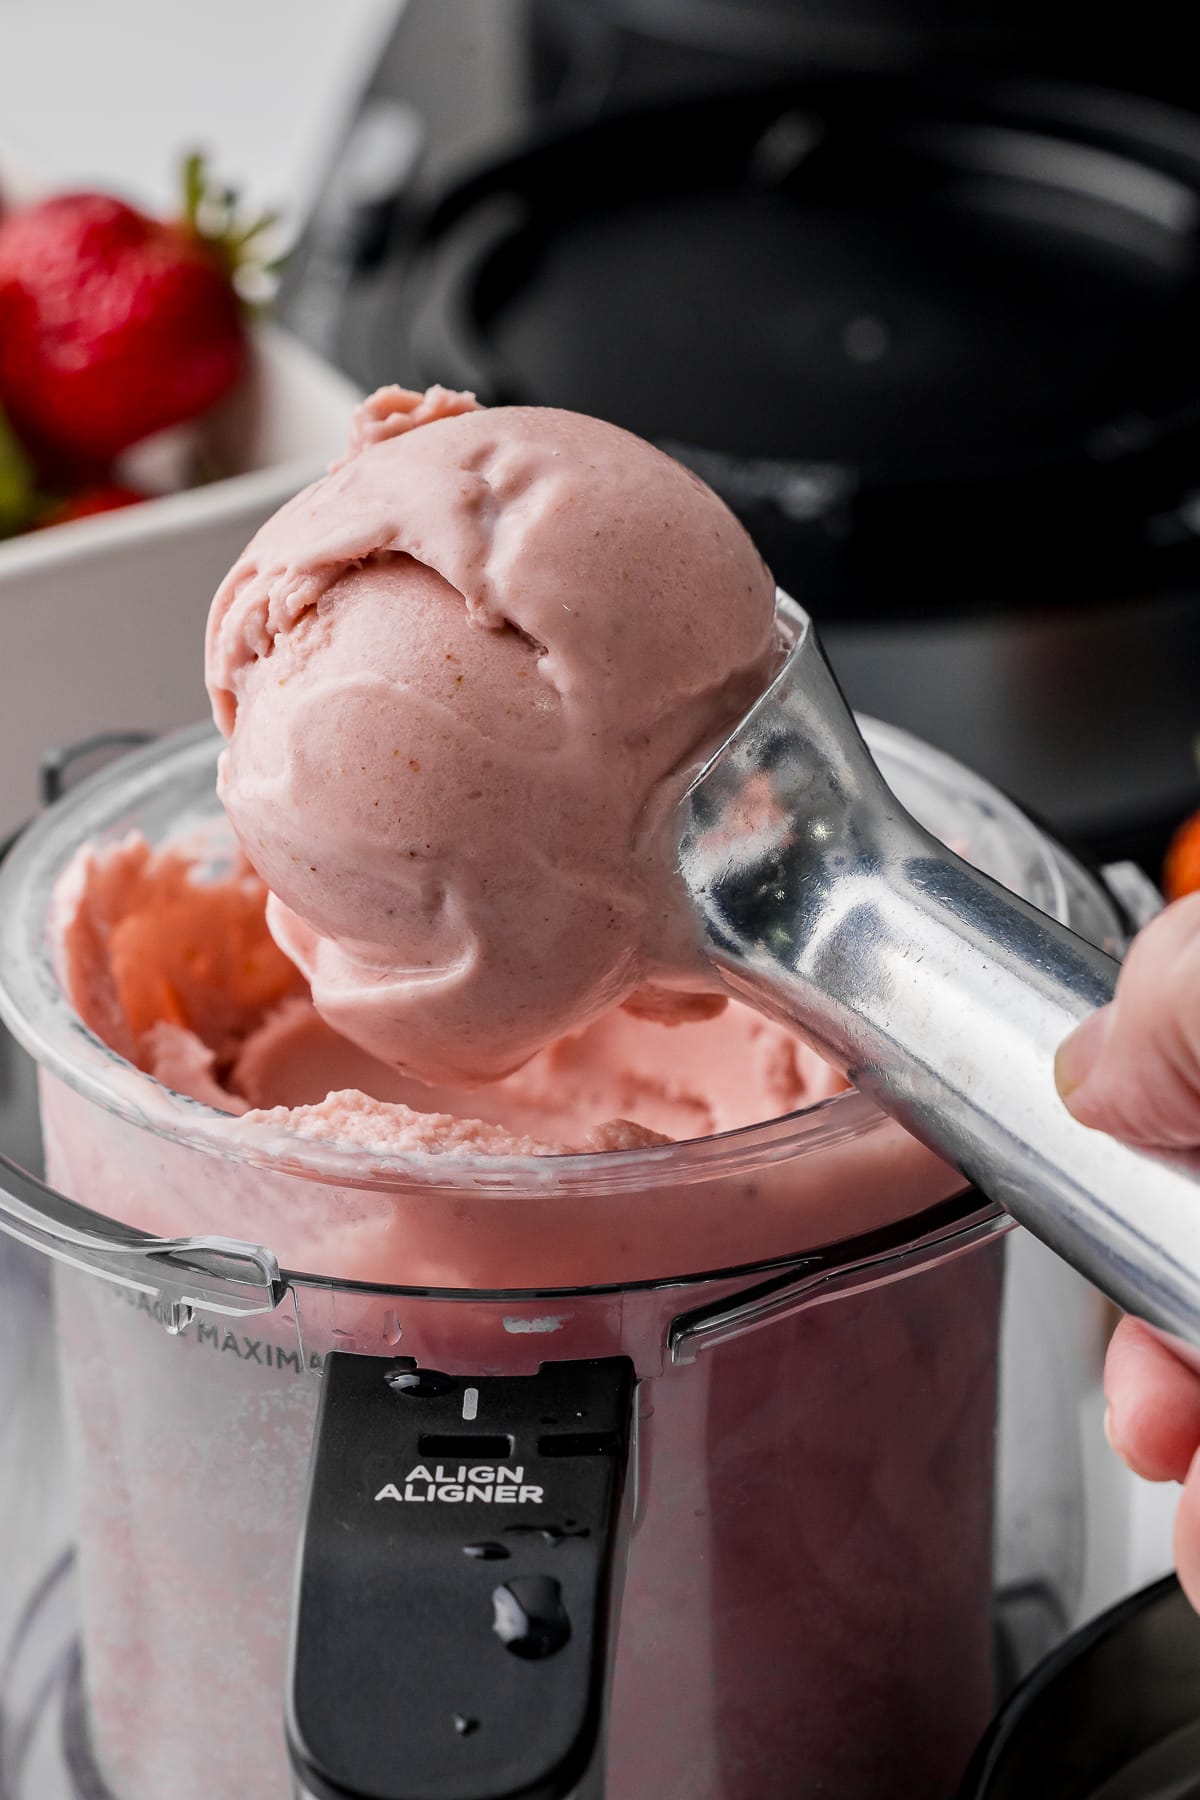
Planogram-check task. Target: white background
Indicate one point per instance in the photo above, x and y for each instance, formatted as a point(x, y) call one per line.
point(113, 91)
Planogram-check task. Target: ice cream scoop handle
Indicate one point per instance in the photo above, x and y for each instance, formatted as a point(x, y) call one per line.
point(945, 998)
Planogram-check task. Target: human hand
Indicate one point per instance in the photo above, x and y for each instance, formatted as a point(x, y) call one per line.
point(1133, 1069)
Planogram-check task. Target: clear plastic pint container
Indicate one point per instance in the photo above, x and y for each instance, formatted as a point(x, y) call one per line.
point(766, 1361)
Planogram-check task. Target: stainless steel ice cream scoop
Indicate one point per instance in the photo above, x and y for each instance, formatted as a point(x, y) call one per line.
point(939, 993)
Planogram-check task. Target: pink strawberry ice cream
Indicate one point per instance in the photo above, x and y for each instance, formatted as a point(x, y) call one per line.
point(172, 964)
point(462, 678)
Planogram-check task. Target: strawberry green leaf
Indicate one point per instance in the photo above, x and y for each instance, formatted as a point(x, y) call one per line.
point(213, 215)
point(17, 490)
point(264, 222)
point(195, 182)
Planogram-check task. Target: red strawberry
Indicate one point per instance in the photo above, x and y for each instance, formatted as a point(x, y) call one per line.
point(114, 325)
point(105, 497)
point(1181, 870)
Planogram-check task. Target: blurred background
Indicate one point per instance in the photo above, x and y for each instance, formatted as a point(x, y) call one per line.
point(913, 284)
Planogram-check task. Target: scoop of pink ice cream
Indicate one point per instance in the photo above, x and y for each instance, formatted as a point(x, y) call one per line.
point(463, 678)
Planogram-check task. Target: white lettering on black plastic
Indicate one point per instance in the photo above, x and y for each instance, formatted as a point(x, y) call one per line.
point(485, 1484)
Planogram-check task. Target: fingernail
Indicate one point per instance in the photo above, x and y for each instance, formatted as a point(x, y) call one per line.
point(1078, 1055)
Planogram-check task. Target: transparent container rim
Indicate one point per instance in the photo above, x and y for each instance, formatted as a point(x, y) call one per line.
point(36, 1010)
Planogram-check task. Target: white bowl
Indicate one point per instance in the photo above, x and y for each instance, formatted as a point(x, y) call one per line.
point(102, 620)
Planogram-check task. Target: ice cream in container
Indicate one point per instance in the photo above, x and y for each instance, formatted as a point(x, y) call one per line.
point(630, 1418)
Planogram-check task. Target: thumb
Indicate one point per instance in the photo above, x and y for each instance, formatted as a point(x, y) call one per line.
point(1079, 1054)
point(1133, 1068)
